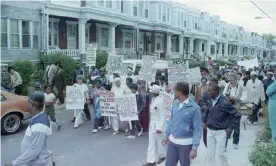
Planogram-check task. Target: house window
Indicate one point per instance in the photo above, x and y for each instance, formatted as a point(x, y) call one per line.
point(173, 44)
point(4, 33)
point(146, 13)
point(108, 4)
point(101, 3)
point(128, 40)
point(53, 33)
point(168, 14)
point(185, 24)
point(195, 25)
point(35, 34)
point(213, 49)
point(135, 11)
point(104, 37)
point(159, 12)
point(14, 33)
point(26, 40)
point(164, 14)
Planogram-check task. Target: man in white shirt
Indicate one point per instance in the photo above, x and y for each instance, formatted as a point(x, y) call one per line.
point(255, 94)
point(16, 81)
point(233, 91)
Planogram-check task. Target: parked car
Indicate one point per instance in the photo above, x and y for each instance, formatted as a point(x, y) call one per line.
point(14, 109)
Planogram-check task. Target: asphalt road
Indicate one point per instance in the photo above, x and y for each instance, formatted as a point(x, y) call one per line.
point(73, 147)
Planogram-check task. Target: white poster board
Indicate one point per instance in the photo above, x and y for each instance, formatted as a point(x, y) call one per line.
point(108, 103)
point(194, 75)
point(114, 63)
point(178, 71)
point(168, 100)
point(91, 56)
point(74, 98)
point(147, 70)
point(127, 107)
point(249, 64)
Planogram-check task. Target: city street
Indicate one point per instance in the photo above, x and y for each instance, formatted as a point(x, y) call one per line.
point(72, 147)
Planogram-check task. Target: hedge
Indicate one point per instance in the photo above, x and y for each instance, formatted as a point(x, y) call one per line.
point(26, 70)
point(69, 65)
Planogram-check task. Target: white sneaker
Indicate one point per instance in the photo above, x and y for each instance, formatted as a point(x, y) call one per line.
point(116, 132)
point(95, 131)
point(255, 123)
point(130, 137)
point(140, 133)
point(107, 127)
point(127, 130)
point(76, 126)
point(249, 122)
point(235, 146)
point(100, 128)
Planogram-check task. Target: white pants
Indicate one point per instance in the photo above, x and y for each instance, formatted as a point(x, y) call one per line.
point(156, 149)
point(216, 141)
point(78, 117)
point(115, 123)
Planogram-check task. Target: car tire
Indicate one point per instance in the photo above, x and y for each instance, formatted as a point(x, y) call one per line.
point(11, 123)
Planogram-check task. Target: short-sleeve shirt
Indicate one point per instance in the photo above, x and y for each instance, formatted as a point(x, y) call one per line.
point(49, 97)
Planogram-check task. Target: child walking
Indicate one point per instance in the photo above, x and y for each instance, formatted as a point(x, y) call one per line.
point(50, 100)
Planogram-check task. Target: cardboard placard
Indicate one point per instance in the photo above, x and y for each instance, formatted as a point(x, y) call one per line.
point(127, 107)
point(74, 98)
point(108, 103)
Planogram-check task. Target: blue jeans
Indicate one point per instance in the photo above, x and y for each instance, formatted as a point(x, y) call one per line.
point(177, 153)
point(96, 123)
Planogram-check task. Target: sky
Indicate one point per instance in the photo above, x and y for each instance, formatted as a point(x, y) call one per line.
point(240, 12)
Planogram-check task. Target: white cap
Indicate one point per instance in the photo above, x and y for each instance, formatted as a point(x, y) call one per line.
point(155, 89)
point(253, 73)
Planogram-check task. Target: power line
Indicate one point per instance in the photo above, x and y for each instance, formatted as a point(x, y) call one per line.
point(262, 10)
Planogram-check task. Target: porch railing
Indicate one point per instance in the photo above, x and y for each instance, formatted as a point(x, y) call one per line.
point(128, 53)
point(74, 53)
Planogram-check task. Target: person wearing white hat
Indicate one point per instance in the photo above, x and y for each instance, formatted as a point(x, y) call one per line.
point(156, 150)
point(131, 75)
point(255, 94)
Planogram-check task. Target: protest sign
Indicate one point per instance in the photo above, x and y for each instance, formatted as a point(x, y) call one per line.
point(108, 103)
point(91, 50)
point(74, 98)
point(127, 107)
point(249, 64)
point(168, 100)
point(147, 70)
point(194, 75)
point(114, 63)
point(178, 71)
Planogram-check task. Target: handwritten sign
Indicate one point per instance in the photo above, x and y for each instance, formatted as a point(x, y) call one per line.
point(194, 75)
point(74, 98)
point(178, 71)
point(114, 63)
point(249, 63)
point(168, 100)
point(127, 107)
point(108, 103)
point(147, 70)
point(91, 55)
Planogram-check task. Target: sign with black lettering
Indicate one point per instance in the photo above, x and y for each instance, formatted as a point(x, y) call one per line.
point(147, 70)
point(127, 107)
point(178, 71)
point(108, 103)
point(114, 63)
point(74, 98)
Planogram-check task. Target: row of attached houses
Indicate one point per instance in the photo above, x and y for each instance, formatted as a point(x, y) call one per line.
point(128, 27)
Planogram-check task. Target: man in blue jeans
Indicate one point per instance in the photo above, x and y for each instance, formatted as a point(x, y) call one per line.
point(184, 128)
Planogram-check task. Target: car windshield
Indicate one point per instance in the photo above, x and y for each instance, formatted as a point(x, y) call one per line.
point(126, 65)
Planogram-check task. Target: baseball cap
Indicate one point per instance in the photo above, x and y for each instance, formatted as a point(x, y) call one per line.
point(37, 85)
point(37, 96)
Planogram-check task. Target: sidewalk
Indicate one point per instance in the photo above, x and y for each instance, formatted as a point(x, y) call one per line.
point(236, 157)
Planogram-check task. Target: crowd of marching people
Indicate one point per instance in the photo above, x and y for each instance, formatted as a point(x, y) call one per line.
point(211, 108)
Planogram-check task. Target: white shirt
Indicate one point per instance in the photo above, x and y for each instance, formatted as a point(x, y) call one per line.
point(181, 141)
point(16, 78)
point(49, 97)
point(83, 88)
point(234, 92)
point(255, 91)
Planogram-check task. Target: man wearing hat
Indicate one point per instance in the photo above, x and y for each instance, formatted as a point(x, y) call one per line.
point(156, 150)
point(131, 75)
point(255, 93)
point(268, 81)
point(34, 149)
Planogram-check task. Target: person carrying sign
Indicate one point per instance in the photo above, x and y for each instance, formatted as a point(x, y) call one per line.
point(84, 90)
point(140, 108)
point(156, 150)
point(96, 104)
point(118, 90)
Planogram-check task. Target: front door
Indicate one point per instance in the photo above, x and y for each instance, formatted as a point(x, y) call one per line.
point(71, 36)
